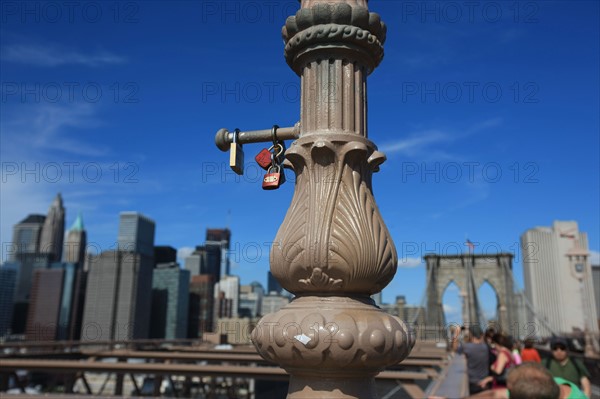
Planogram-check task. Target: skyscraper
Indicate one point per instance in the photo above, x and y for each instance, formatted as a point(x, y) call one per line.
point(596, 281)
point(408, 313)
point(77, 304)
point(27, 264)
point(136, 234)
point(251, 297)
point(44, 307)
point(70, 301)
point(201, 307)
point(75, 279)
point(118, 297)
point(8, 280)
point(51, 239)
point(26, 236)
point(37, 242)
point(193, 263)
point(101, 297)
point(558, 278)
point(220, 238)
point(206, 259)
point(164, 255)
point(170, 298)
point(25, 254)
point(272, 302)
point(227, 290)
point(75, 244)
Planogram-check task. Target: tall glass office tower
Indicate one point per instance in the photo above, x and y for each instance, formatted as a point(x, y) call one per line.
point(136, 234)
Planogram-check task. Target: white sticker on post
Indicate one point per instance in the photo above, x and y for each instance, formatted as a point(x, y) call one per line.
point(303, 338)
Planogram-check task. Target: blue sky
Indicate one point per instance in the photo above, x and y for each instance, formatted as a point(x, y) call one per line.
point(488, 113)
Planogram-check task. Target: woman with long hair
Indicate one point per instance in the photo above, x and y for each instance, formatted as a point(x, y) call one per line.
point(503, 362)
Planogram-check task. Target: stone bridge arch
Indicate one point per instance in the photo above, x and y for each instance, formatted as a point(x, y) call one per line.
point(469, 272)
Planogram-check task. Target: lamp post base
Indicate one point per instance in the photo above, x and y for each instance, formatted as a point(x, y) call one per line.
point(322, 387)
point(332, 347)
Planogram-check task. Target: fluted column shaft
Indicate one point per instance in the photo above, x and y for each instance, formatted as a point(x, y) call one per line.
point(334, 97)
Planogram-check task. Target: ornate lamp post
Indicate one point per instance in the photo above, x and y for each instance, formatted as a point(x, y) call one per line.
point(333, 249)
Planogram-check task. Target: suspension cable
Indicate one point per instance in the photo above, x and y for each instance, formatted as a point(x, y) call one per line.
point(527, 303)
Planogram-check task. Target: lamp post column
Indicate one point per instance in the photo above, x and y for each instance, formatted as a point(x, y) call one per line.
point(333, 249)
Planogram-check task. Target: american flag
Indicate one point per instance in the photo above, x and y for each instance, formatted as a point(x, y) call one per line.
point(470, 245)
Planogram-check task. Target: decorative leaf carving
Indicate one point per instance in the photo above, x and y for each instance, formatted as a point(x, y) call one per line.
point(333, 231)
point(320, 280)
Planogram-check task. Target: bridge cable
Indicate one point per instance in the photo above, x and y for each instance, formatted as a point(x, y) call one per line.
point(423, 297)
point(527, 302)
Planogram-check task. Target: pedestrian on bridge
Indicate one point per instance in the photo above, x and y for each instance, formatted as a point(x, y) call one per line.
point(516, 354)
point(563, 366)
point(531, 380)
point(529, 353)
point(477, 353)
point(489, 335)
point(504, 361)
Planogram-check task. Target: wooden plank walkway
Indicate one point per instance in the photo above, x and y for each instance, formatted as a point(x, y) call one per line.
point(454, 382)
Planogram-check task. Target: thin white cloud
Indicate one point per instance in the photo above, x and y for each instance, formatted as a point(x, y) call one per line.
point(27, 133)
point(35, 136)
point(45, 127)
point(477, 191)
point(415, 142)
point(53, 56)
point(481, 126)
point(449, 309)
point(409, 262)
point(452, 288)
point(184, 252)
point(426, 141)
point(428, 145)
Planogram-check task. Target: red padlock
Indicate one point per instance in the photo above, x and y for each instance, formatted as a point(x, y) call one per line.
point(263, 159)
point(273, 179)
